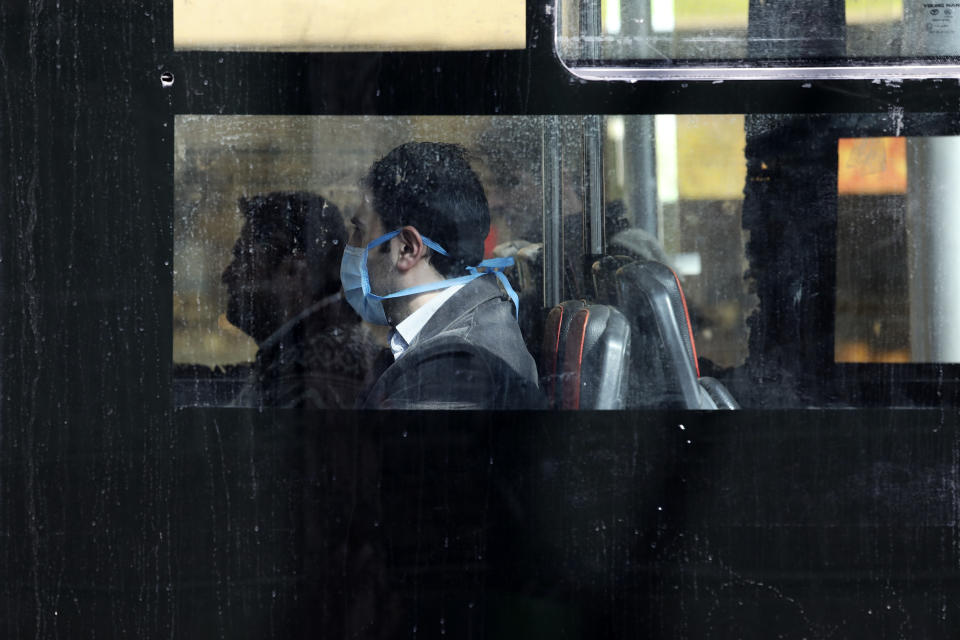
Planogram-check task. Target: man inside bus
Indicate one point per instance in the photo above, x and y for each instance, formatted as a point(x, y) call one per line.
point(415, 263)
point(283, 290)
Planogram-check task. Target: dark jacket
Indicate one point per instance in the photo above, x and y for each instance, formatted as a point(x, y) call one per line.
point(469, 355)
point(320, 360)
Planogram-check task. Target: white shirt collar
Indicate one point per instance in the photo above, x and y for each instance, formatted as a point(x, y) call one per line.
point(406, 332)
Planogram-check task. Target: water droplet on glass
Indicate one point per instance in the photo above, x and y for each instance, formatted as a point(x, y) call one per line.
point(166, 79)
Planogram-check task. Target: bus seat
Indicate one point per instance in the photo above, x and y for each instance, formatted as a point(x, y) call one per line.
point(667, 374)
point(604, 272)
point(720, 395)
point(526, 279)
point(585, 356)
point(529, 261)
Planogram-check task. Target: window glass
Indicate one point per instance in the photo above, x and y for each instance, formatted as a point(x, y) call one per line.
point(690, 202)
point(670, 190)
point(246, 264)
point(897, 250)
point(365, 25)
point(833, 33)
point(787, 247)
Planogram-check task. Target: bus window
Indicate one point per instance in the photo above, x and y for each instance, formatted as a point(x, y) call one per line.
point(897, 248)
point(798, 245)
point(745, 39)
point(800, 249)
point(258, 319)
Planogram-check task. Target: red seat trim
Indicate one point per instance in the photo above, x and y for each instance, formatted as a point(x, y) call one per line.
point(686, 315)
point(573, 359)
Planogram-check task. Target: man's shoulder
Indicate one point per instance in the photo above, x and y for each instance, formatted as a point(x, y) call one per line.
point(479, 301)
point(470, 354)
point(486, 331)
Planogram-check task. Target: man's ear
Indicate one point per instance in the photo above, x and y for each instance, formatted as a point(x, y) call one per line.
point(412, 249)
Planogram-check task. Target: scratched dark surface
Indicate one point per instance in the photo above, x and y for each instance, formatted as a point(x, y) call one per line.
point(122, 518)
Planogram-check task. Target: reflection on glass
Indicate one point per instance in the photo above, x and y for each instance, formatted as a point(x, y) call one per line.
point(283, 291)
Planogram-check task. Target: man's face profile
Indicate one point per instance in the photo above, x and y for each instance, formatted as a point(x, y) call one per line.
point(254, 281)
point(366, 228)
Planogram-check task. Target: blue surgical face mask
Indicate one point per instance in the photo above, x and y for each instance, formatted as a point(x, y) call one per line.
point(356, 279)
point(353, 270)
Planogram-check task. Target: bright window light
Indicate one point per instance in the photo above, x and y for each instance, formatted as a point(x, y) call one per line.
point(662, 16)
point(665, 127)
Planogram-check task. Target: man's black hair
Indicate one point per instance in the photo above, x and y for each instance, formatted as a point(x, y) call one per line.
point(304, 225)
point(431, 186)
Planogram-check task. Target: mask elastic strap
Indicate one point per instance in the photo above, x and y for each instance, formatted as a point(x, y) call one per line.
point(365, 275)
point(494, 265)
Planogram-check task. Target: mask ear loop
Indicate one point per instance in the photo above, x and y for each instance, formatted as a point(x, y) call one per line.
point(492, 265)
point(496, 266)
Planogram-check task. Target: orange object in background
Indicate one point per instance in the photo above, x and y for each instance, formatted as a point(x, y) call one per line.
point(871, 166)
point(859, 352)
point(490, 242)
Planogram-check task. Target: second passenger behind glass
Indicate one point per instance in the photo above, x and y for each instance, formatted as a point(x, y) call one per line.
point(283, 291)
point(415, 262)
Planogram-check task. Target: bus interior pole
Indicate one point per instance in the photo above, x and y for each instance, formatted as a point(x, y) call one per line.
point(933, 247)
point(552, 172)
point(640, 150)
point(933, 205)
point(593, 236)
